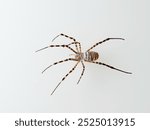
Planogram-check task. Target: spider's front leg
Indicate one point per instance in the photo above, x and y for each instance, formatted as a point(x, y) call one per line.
point(71, 38)
point(76, 43)
point(58, 62)
point(64, 35)
point(57, 46)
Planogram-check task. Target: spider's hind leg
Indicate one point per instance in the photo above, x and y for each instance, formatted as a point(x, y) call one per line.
point(107, 39)
point(100, 63)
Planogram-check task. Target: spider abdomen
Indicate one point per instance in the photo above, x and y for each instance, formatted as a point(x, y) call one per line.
point(91, 56)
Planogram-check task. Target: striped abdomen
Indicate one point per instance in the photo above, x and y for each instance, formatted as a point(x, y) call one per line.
point(91, 56)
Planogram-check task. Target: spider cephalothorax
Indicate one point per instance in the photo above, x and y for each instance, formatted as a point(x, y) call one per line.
point(79, 56)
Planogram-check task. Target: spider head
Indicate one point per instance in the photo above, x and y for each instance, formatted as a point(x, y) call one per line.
point(79, 56)
point(76, 56)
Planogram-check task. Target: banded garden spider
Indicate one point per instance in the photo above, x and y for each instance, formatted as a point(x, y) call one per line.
point(88, 56)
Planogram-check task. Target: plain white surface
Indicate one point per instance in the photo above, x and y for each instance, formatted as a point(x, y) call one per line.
point(28, 25)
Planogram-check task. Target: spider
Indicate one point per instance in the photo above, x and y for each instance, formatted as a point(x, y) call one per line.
point(79, 56)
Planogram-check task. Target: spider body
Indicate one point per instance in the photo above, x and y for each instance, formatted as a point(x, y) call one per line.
point(80, 57)
point(91, 56)
point(87, 56)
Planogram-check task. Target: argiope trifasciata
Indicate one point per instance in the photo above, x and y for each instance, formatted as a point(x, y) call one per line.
point(79, 56)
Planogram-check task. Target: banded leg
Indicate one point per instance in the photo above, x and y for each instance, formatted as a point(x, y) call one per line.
point(107, 39)
point(65, 77)
point(109, 67)
point(78, 43)
point(82, 71)
point(64, 35)
point(69, 59)
point(57, 46)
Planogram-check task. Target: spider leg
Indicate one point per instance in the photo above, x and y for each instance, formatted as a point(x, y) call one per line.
point(76, 43)
point(69, 59)
point(82, 71)
point(100, 63)
point(65, 77)
point(64, 35)
point(107, 39)
point(57, 46)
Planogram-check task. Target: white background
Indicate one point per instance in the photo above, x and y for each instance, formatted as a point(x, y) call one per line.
point(28, 25)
